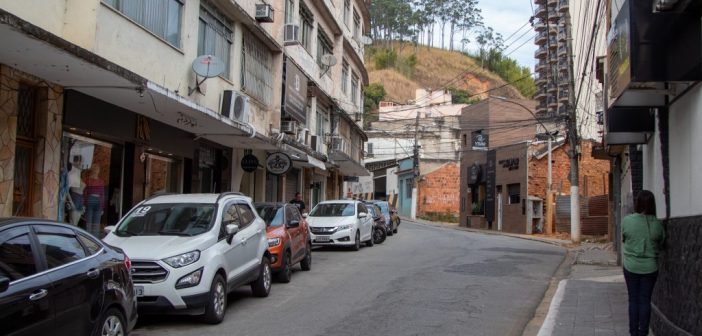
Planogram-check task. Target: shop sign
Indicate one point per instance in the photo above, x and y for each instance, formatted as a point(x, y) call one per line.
point(479, 141)
point(510, 164)
point(249, 163)
point(474, 174)
point(278, 163)
point(295, 92)
point(490, 186)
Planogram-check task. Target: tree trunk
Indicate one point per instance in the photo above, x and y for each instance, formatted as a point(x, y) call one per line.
point(451, 34)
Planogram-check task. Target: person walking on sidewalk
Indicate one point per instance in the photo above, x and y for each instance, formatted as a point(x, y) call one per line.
point(642, 235)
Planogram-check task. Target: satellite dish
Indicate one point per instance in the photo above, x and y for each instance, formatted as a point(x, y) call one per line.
point(208, 66)
point(328, 60)
point(366, 40)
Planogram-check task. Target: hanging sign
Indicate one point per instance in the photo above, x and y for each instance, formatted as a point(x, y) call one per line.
point(249, 163)
point(278, 163)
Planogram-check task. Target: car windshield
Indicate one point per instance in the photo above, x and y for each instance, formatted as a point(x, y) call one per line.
point(271, 214)
point(383, 207)
point(180, 219)
point(333, 210)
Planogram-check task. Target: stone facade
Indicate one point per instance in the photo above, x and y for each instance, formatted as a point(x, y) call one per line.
point(47, 142)
point(438, 192)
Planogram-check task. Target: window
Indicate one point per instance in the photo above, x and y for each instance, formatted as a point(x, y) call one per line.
point(247, 215)
point(322, 121)
point(465, 140)
point(272, 215)
point(16, 258)
point(91, 246)
point(215, 36)
point(324, 45)
point(257, 70)
point(161, 17)
point(289, 11)
point(356, 25)
point(513, 191)
point(409, 185)
point(344, 77)
point(347, 10)
point(60, 249)
point(361, 208)
point(306, 27)
point(370, 149)
point(231, 216)
point(354, 88)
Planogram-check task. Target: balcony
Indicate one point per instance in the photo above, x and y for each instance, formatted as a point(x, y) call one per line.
point(552, 102)
point(563, 66)
point(541, 38)
point(563, 6)
point(552, 88)
point(540, 2)
point(541, 66)
point(541, 12)
point(539, 27)
point(562, 51)
point(553, 15)
point(563, 96)
point(541, 109)
point(552, 2)
point(540, 53)
point(552, 43)
point(541, 93)
point(539, 80)
point(563, 109)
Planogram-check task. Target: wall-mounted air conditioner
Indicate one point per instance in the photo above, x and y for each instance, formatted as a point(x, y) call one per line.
point(235, 106)
point(288, 126)
point(338, 144)
point(264, 13)
point(291, 34)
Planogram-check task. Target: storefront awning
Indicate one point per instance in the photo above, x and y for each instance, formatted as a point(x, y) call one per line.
point(348, 166)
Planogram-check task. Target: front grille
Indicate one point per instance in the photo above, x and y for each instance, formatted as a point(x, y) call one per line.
point(148, 272)
point(322, 230)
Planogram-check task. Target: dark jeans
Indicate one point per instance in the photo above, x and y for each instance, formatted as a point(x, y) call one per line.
point(640, 288)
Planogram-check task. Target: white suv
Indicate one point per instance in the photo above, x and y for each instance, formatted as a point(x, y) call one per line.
point(343, 222)
point(189, 250)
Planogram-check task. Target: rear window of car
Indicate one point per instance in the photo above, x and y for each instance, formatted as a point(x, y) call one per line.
point(272, 215)
point(333, 210)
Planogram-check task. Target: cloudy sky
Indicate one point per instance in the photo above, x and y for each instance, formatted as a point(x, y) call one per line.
point(506, 17)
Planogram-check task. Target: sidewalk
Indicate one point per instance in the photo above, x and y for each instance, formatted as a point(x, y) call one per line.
point(589, 295)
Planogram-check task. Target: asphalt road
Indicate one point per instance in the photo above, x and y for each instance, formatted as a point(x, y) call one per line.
point(425, 280)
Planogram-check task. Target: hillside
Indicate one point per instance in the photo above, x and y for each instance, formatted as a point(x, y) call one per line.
point(434, 68)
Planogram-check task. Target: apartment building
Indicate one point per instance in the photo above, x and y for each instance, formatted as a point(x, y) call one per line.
point(120, 98)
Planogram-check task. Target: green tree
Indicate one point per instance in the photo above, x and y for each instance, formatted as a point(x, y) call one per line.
point(372, 96)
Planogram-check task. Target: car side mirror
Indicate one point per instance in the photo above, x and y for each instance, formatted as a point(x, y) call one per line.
point(362, 215)
point(293, 223)
point(304, 215)
point(231, 229)
point(108, 229)
point(4, 283)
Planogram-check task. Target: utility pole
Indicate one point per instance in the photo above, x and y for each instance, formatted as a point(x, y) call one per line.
point(574, 143)
point(416, 169)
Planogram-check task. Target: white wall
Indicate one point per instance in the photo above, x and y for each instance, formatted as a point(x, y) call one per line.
point(391, 185)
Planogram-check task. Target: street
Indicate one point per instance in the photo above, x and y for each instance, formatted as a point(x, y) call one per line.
point(425, 280)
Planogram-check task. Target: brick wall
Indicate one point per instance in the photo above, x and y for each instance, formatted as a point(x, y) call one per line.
point(438, 191)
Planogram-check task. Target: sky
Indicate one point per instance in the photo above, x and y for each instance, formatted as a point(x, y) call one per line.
point(506, 17)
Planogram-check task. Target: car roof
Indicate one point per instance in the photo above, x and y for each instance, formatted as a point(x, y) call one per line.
point(339, 201)
point(191, 198)
point(10, 221)
point(269, 204)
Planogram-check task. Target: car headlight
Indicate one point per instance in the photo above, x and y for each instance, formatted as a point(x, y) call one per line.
point(190, 280)
point(184, 259)
point(273, 242)
point(344, 227)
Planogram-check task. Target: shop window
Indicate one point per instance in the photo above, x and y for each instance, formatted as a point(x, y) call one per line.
point(513, 190)
point(163, 175)
point(215, 36)
point(161, 17)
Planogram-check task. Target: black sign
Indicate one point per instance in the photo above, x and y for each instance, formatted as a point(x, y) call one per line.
point(350, 178)
point(295, 92)
point(278, 163)
point(480, 141)
point(474, 173)
point(490, 185)
point(510, 164)
point(249, 163)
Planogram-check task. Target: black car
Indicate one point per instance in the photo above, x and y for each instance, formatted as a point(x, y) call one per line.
point(392, 220)
point(57, 279)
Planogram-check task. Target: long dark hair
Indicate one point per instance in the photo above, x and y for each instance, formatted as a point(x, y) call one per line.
point(645, 203)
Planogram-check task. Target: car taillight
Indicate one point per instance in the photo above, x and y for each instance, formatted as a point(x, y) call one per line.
point(127, 263)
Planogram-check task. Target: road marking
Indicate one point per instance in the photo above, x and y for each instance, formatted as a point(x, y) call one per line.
point(550, 321)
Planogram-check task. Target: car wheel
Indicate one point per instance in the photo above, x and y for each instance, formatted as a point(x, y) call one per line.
point(370, 241)
point(306, 263)
point(389, 231)
point(262, 286)
point(357, 242)
point(379, 235)
point(216, 305)
point(111, 324)
point(285, 273)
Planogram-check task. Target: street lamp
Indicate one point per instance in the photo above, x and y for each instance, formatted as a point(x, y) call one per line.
point(551, 136)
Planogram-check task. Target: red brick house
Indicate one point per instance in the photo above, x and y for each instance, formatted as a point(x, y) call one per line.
point(438, 193)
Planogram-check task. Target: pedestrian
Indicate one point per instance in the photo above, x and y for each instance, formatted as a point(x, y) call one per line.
point(298, 201)
point(642, 235)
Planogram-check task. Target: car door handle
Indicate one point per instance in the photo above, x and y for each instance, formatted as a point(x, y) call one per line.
point(93, 273)
point(38, 295)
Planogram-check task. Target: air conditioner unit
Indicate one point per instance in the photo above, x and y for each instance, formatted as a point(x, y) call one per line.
point(235, 106)
point(288, 126)
point(291, 34)
point(302, 136)
point(358, 116)
point(338, 144)
point(264, 13)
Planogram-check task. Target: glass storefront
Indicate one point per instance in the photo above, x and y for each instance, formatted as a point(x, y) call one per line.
point(91, 180)
point(163, 175)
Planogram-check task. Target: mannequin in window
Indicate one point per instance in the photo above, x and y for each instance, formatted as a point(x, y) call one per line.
point(75, 189)
point(94, 194)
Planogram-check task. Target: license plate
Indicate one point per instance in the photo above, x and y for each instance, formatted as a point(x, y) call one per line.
point(139, 290)
point(322, 239)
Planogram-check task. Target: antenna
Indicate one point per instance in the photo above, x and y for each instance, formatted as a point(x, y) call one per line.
point(328, 60)
point(206, 66)
point(365, 40)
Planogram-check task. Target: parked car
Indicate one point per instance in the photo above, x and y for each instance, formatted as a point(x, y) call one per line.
point(288, 238)
point(189, 250)
point(57, 279)
point(390, 213)
point(379, 226)
point(342, 222)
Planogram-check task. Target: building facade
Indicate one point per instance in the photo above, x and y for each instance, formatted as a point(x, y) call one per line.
point(107, 102)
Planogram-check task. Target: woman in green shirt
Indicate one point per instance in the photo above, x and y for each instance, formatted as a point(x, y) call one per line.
point(643, 236)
